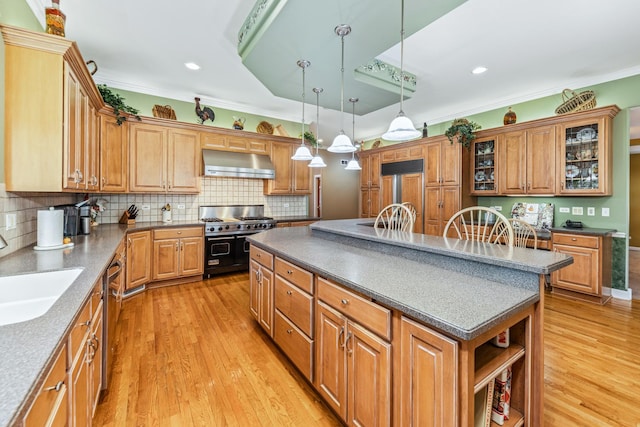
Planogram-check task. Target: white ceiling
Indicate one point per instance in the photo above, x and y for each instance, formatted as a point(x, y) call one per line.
point(531, 48)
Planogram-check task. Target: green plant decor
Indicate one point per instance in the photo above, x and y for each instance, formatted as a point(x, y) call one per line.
point(117, 103)
point(310, 138)
point(462, 130)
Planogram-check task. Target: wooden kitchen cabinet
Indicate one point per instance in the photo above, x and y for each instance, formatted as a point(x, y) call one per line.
point(428, 364)
point(353, 363)
point(177, 252)
point(163, 160)
point(292, 176)
point(441, 203)
point(398, 154)
point(484, 163)
point(114, 148)
point(370, 179)
point(50, 145)
point(261, 288)
point(442, 163)
point(241, 144)
point(85, 366)
point(527, 161)
point(589, 277)
point(50, 407)
point(584, 156)
point(138, 269)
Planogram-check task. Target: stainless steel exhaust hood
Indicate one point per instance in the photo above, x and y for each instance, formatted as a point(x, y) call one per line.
point(240, 165)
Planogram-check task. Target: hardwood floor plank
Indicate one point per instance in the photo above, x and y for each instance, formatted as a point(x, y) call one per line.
point(192, 355)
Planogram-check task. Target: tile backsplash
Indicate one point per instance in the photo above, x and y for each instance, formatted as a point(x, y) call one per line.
point(213, 191)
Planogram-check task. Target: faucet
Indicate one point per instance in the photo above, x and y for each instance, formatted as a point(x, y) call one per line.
point(3, 243)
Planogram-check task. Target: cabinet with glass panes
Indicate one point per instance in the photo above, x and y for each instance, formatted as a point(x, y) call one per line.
point(483, 161)
point(585, 157)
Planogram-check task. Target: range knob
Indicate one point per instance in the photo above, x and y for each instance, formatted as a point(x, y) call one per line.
point(238, 226)
point(219, 228)
point(226, 227)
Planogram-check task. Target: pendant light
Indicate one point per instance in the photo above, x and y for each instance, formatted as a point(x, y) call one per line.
point(342, 143)
point(317, 161)
point(302, 153)
point(353, 164)
point(401, 128)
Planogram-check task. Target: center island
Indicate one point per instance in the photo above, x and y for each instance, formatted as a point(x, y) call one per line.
point(395, 328)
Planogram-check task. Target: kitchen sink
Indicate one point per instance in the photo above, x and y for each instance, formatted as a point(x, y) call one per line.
point(27, 296)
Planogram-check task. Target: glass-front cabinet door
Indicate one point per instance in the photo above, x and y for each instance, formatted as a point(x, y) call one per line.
point(483, 166)
point(585, 147)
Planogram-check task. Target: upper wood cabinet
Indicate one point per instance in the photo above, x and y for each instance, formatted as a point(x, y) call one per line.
point(243, 144)
point(562, 155)
point(292, 176)
point(400, 154)
point(370, 179)
point(50, 126)
point(442, 163)
point(113, 155)
point(527, 161)
point(163, 160)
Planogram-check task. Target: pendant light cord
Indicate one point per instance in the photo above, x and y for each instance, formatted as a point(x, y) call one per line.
point(342, 85)
point(317, 90)
point(401, 56)
point(303, 81)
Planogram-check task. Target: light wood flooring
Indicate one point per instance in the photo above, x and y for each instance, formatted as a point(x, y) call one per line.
point(191, 355)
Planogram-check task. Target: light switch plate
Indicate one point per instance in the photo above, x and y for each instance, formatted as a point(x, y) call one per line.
point(576, 210)
point(605, 211)
point(180, 206)
point(591, 211)
point(565, 210)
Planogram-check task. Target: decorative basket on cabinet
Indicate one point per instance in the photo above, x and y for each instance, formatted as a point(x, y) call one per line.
point(575, 102)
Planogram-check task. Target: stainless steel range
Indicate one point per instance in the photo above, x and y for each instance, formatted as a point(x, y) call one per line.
point(225, 231)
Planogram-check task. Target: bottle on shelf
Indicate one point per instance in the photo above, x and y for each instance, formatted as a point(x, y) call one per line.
point(55, 19)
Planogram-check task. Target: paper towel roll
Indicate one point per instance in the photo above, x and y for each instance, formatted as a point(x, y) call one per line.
point(50, 227)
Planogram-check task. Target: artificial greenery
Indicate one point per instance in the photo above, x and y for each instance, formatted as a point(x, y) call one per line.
point(310, 138)
point(462, 130)
point(117, 103)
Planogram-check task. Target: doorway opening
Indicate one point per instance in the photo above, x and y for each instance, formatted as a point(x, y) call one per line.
point(633, 256)
point(317, 196)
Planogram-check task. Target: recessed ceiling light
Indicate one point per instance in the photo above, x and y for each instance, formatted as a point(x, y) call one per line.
point(192, 65)
point(479, 70)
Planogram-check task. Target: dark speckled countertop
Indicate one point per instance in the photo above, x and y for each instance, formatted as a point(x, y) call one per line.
point(460, 287)
point(27, 347)
point(585, 231)
point(296, 218)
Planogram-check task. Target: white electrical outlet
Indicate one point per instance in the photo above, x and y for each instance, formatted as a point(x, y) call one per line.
point(591, 211)
point(10, 221)
point(565, 210)
point(605, 211)
point(498, 208)
point(180, 206)
point(285, 205)
point(576, 210)
point(146, 207)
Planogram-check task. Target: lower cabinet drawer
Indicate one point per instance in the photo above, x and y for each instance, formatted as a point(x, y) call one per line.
point(295, 305)
point(50, 406)
point(296, 345)
point(576, 240)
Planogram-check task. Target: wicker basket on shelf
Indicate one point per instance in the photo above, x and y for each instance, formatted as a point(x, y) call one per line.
point(575, 102)
point(163, 112)
point(265, 127)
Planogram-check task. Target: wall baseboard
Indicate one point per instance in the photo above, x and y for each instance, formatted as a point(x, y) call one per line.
point(624, 294)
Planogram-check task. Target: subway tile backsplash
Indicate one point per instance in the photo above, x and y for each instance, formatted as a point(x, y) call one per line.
point(213, 191)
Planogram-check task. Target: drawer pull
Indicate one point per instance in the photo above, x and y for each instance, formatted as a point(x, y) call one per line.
point(258, 255)
point(289, 271)
point(573, 239)
point(289, 331)
point(344, 301)
point(56, 387)
point(288, 292)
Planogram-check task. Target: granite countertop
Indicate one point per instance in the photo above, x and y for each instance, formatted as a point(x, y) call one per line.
point(585, 231)
point(296, 218)
point(460, 287)
point(27, 347)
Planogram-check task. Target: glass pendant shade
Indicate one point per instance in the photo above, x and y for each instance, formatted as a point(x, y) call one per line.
point(401, 129)
point(317, 162)
point(353, 165)
point(341, 144)
point(302, 153)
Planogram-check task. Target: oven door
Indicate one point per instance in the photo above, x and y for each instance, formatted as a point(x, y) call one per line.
point(219, 254)
point(242, 250)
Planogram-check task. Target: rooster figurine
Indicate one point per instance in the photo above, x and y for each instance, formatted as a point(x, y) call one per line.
point(205, 113)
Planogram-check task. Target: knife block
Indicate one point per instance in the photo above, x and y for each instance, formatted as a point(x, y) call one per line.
point(124, 219)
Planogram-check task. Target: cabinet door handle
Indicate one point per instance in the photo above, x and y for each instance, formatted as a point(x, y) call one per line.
point(289, 331)
point(104, 180)
point(129, 241)
point(346, 343)
point(340, 335)
point(529, 186)
point(176, 246)
point(56, 387)
point(562, 185)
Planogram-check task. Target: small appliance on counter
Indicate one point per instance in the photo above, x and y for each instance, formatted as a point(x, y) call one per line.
point(74, 216)
point(50, 230)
